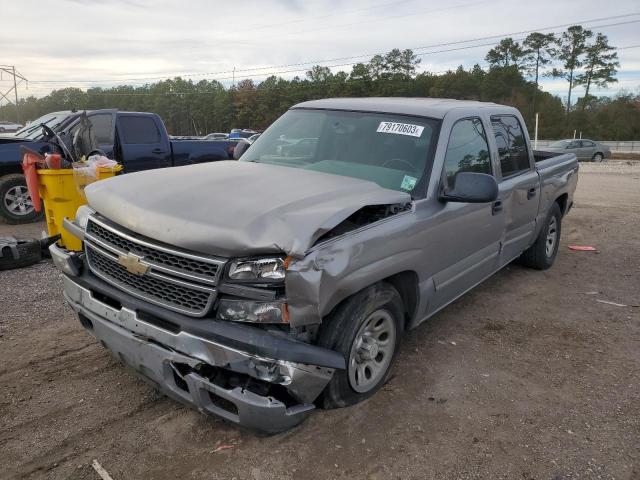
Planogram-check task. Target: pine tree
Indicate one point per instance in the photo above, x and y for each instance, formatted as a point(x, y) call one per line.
point(600, 65)
point(540, 50)
point(573, 45)
point(506, 54)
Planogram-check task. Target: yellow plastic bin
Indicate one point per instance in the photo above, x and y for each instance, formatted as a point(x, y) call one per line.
point(62, 198)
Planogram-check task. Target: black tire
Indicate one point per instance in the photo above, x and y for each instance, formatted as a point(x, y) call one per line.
point(538, 256)
point(22, 254)
point(339, 330)
point(7, 184)
point(597, 157)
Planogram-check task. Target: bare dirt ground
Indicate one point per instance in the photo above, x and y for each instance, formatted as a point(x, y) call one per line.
point(526, 377)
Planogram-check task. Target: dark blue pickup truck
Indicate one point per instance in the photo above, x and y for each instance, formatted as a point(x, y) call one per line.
point(137, 140)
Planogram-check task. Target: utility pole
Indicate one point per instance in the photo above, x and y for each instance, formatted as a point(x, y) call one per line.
point(11, 70)
point(15, 90)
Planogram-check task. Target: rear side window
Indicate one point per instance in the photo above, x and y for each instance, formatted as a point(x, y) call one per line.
point(139, 130)
point(467, 150)
point(512, 146)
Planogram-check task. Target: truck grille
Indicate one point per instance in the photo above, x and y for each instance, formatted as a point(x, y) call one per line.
point(174, 279)
point(198, 267)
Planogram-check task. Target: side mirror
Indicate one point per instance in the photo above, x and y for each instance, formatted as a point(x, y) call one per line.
point(241, 147)
point(470, 187)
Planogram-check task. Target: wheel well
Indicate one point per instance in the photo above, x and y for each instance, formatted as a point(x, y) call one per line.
point(562, 202)
point(407, 285)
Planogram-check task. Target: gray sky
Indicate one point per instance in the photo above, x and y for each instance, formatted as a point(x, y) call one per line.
point(85, 43)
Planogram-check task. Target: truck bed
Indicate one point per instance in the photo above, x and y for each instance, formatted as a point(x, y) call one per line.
point(541, 155)
point(558, 174)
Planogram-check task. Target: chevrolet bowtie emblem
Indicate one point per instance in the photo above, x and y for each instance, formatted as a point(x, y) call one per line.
point(133, 264)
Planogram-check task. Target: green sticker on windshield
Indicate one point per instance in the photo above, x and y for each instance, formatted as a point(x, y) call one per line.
point(408, 182)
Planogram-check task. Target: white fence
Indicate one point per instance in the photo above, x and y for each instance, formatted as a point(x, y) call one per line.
point(633, 146)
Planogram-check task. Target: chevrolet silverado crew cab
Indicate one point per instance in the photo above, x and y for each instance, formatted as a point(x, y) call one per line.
point(260, 288)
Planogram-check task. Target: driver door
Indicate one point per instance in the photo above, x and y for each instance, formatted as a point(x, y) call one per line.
point(467, 238)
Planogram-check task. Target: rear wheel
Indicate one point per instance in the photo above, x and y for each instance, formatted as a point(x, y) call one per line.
point(15, 202)
point(542, 253)
point(366, 329)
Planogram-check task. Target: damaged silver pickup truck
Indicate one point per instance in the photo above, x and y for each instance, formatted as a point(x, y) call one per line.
point(258, 289)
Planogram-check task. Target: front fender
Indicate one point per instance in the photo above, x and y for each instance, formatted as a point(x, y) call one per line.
point(327, 276)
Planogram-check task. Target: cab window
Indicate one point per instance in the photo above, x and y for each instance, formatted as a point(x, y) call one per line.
point(512, 145)
point(467, 150)
point(138, 130)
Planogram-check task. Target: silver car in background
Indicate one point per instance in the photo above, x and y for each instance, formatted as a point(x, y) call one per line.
point(9, 127)
point(584, 149)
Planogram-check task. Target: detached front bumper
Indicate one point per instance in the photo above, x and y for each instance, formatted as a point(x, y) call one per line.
point(266, 394)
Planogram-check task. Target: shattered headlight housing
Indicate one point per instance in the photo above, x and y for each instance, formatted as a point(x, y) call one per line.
point(268, 269)
point(253, 311)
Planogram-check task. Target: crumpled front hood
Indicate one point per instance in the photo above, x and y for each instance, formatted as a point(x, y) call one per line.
point(233, 208)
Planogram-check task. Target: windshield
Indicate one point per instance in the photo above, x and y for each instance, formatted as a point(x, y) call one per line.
point(390, 150)
point(33, 131)
point(560, 144)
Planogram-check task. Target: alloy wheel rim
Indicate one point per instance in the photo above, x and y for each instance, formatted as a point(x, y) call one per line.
point(552, 237)
point(372, 351)
point(18, 201)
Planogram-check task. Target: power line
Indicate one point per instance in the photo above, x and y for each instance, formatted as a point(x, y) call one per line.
point(260, 26)
point(387, 17)
point(301, 86)
point(466, 47)
point(339, 59)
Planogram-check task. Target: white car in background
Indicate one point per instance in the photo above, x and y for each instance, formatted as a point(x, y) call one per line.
point(9, 127)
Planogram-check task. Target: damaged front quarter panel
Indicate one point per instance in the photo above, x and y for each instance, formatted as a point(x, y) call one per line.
point(342, 263)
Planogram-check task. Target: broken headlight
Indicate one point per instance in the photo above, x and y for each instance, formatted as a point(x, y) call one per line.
point(260, 270)
point(253, 311)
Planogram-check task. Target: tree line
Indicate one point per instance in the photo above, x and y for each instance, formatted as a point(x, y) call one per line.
point(512, 78)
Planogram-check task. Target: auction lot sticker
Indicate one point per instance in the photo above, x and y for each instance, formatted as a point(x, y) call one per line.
point(400, 128)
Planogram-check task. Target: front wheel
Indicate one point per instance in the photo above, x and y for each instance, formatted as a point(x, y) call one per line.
point(542, 253)
point(366, 329)
point(598, 157)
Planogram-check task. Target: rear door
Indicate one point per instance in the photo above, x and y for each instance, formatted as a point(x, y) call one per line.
point(574, 147)
point(519, 186)
point(587, 149)
point(143, 142)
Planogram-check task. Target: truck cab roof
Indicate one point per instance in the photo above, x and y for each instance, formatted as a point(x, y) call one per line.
point(423, 107)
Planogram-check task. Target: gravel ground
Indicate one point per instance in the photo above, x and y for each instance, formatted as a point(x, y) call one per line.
point(528, 376)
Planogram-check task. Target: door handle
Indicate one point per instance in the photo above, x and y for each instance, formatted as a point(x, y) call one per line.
point(157, 150)
point(496, 208)
point(531, 193)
